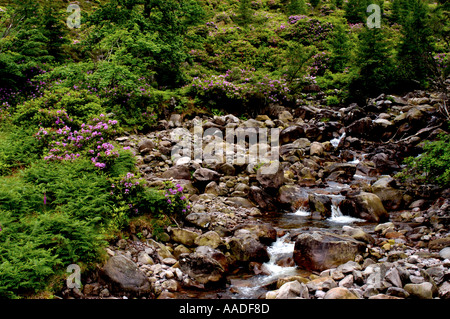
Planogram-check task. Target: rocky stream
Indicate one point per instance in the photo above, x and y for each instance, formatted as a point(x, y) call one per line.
point(332, 222)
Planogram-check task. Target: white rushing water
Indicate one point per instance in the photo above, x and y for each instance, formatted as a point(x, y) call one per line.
point(338, 217)
point(300, 212)
point(335, 141)
point(281, 248)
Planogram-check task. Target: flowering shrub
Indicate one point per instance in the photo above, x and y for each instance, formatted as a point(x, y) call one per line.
point(126, 191)
point(242, 85)
point(64, 143)
point(295, 18)
point(309, 31)
point(74, 106)
point(319, 65)
point(442, 64)
point(177, 203)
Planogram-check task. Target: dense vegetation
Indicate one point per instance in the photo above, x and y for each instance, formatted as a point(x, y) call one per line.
point(66, 187)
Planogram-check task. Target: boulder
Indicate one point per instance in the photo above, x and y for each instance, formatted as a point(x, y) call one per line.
point(367, 206)
point(210, 239)
point(391, 198)
point(183, 236)
point(205, 175)
point(291, 133)
point(292, 196)
point(238, 201)
point(320, 203)
point(358, 234)
point(383, 163)
point(270, 179)
point(422, 291)
point(247, 248)
point(226, 169)
point(180, 249)
point(212, 188)
point(289, 290)
point(205, 265)
point(321, 250)
point(316, 148)
point(146, 146)
point(202, 220)
point(348, 169)
point(124, 275)
point(264, 232)
point(361, 127)
point(445, 253)
point(339, 293)
point(177, 172)
point(322, 283)
point(262, 199)
point(285, 117)
point(439, 243)
point(444, 290)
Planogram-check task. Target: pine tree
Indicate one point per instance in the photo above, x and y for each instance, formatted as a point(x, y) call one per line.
point(55, 32)
point(355, 11)
point(340, 48)
point(414, 53)
point(314, 3)
point(296, 7)
point(400, 10)
point(245, 13)
point(375, 65)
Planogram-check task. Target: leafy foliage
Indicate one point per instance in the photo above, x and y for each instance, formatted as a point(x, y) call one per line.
point(432, 166)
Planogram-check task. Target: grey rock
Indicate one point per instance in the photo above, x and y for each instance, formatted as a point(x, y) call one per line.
point(178, 172)
point(293, 289)
point(445, 253)
point(397, 292)
point(270, 176)
point(204, 265)
point(322, 250)
point(421, 291)
point(125, 275)
point(393, 276)
point(201, 220)
point(444, 290)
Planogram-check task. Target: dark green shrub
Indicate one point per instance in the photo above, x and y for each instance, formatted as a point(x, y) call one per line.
point(35, 248)
point(18, 149)
point(79, 107)
point(433, 165)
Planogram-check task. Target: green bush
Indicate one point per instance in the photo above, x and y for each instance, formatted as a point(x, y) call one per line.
point(433, 165)
point(18, 149)
point(78, 106)
point(35, 248)
point(332, 100)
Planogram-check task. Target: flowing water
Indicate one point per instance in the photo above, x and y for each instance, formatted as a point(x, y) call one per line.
point(335, 141)
point(250, 286)
point(283, 248)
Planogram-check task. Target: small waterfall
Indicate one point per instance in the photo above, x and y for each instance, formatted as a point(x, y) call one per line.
point(282, 247)
point(335, 141)
point(301, 212)
point(338, 217)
